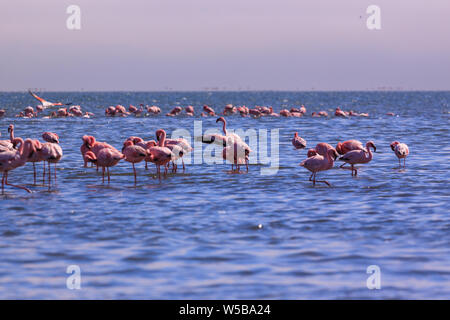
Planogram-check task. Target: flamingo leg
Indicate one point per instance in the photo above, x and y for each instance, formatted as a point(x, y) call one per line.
point(342, 165)
point(55, 172)
point(246, 164)
point(49, 175)
point(404, 162)
point(324, 181)
point(109, 179)
point(43, 174)
point(314, 178)
point(134, 171)
point(182, 161)
point(15, 186)
point(310, 178)
point(103, 174)
point(3, 182)
point(146, 165)
point(34, 173)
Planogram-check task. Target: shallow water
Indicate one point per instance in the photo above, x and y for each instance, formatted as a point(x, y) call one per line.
point(195, 235)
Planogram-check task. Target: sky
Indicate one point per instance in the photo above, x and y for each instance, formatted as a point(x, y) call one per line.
point(151, 45)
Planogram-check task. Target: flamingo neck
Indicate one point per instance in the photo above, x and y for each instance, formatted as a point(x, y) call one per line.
point(162, 140)
point(369, 151)
point(224, 127)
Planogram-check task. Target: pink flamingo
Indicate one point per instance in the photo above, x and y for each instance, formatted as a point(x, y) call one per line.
point(85, 147)
point(349, 145)
point(401, 150)
point(105, 158)
point(160, 155)
point(209, 111)
point(237, 153)
point(8, 143)
point(179, 147)
point(47, 104)
point(89, 156)
point(143, 144)
point(51, 152)
point(340, 113)
point(189, 110)
point(285, 113)
point(319, 163)
point(359, 156)
point(298, 142)
point(11, 159)
point(133, 154)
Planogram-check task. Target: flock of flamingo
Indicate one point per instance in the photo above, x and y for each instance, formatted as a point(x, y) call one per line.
point(16, 152)
point(69, 110)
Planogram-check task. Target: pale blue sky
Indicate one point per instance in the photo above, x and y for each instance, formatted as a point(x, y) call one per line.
point(226, 44)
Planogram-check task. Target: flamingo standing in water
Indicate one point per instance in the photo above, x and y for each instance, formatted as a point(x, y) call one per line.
point(319, 163)
point(51, 152)
point(298, 142)
point(236, 153)
point(401, 150)
point(160, 155)
point(227, 140)
point(349, 145)
point(106, 158)
point(179, 147)
point(47, 104)
point(12, 158)
point(359, 156)
point(134, 154)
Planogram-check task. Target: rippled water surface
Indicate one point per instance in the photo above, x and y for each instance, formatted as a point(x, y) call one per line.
point(195, 235)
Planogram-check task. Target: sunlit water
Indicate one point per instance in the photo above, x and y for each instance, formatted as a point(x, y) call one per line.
point(195, 235)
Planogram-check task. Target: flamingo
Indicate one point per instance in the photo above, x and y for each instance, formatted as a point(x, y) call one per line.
point(8, 144)
point(51, 152)
point(85, 147)
point(349, 145)
point(179, 147)
point(401, 151)
point(11, 159)
point(298, 142)
point(236, 153)
point(160, 155)
point(285, 113)
point(209, 111)
point(189, 110)
point(134, 154)
point(359, 156)
point(47, 104)
point(340, 113)
point(105, 158)
point(144, 144)
point(319, 163)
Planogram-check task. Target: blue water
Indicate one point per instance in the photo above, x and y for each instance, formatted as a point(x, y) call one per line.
point(209, 234)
